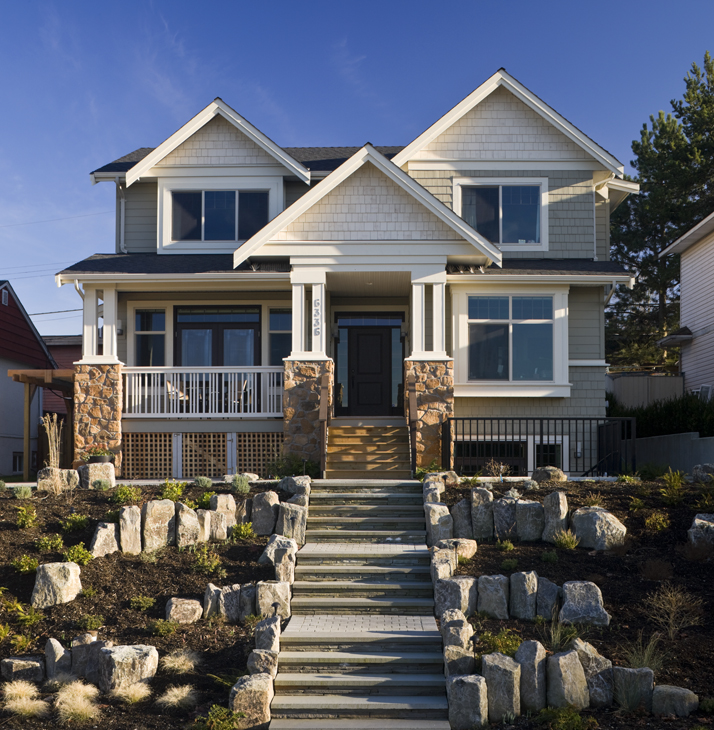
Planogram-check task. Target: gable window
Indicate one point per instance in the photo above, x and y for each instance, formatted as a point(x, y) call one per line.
point(150, 336)
point(217, 215)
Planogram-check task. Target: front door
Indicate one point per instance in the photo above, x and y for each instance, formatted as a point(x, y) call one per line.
point(370, 371)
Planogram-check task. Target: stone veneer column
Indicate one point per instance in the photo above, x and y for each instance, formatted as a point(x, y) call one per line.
point(97, 409)
point(435, 403)
point(301, 406)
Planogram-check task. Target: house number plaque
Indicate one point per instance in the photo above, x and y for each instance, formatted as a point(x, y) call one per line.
point(316, 317)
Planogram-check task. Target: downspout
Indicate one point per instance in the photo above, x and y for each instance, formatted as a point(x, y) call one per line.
point(594, 228)
point(78, 289)
point(122, 212)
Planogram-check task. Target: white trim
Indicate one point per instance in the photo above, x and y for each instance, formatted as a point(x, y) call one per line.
point(502, 78)
point(177, 455)
point(497, 165)
point(235, 277)
point(231, 454)
point(215, 108)
point(694, 235)
point(459, 182)
point(360, 158)
point(512, 390)
point(569, 279)
point(588, 364)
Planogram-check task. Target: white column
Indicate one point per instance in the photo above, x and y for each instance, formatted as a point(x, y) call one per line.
point(89, 325)
point(110, 323)
point(319, 336)
point(439, 319)
point(298, 320)
point(418, 320)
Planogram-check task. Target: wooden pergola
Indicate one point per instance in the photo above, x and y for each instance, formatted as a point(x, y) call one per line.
point(61, 380)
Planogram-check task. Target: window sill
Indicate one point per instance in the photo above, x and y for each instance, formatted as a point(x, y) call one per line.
point(512, 390)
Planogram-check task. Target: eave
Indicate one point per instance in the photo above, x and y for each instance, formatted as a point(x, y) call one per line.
point(692, 236)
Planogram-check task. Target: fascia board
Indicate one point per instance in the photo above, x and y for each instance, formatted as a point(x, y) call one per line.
point(94, 279)
point(583, 279)
point(692, 236)
point(625, 186)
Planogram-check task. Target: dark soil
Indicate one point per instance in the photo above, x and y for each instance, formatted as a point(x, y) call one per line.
point(111, 582)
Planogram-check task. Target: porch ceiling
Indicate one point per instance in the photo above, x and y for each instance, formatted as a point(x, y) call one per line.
point(374, 284)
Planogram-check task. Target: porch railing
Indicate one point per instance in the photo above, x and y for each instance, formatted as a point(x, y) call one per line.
point(578, 446)
point(412, 415)
point(222, 392)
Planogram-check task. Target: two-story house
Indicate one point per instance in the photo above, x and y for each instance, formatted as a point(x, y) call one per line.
point(256, 291)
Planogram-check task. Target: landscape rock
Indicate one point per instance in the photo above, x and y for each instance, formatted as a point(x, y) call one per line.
point(433, 482)
point(458, 660)
point(244, 510)
point(503, 679)
point(267, 634)
point(548, 474)
point(529, 485)
point(301, 500)
point(58, 660)
point(263, 661)
point(482, 513)
point(292, 522)
point(295, 485)
point(441, 568)
point(274, 543)
point(252, 696)
point(493, 593)
point(456, 630)
point(468, 702)
point(265, 513)
point(532, 658)
point(86, 657)
point(438, 553)
point(273, 598)
point(459, 592)
point(225, 504)
point(187, 526)
point(91, 473)
point(431, 494)
point(130, 530)
point(547, 598)
point(229, 603)
point(219, 526)
point(204, 524)
point(633, 688)
point(598, 673)
point(105, 540)
point(247, 601)
point(566, 681)
point(210, 600)
point(122, 666)
point(703, 473)
point(524, 595)
point(447, 478)
point(183, 610)
point(597, 529)
point(701, 533)
point(158, 524)
point(462, 547)
point(284, 565)
point(56, 583)
point(461, 514)
point(439, 523)
point(556, 515)
point(27, 668)
point(80, 652)
point(678, 701)
point(49, 477)
point(582, 604)
point(530, 520)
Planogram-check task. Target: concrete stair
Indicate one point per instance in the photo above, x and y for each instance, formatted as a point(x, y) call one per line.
point(367, 451)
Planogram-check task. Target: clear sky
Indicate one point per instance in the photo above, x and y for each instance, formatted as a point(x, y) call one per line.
point(83, 83)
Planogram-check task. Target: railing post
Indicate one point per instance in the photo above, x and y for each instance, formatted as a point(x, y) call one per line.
point(446, 445)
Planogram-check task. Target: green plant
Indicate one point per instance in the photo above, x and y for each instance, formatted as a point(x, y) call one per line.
point(636, 504)
point(422, 471)
point(565, 540)
point(49, 544)
point(173, 490)
point(203, 482)
point(461, 560)
point(204, 501)
point(90, 622)
point(23, 492)
point(649, 472)
point(706, 706)
point(506, 641)
point(242, 531)
point(26, 517)
point(250, 621)
point(124, 495)
point(77, 554)
point(89, 591)
point(207, 561)
point(75, 523)
point(142, 603)
point(705, 503)
point(593, 499)
point(163, 628)
point(672, 496)
point(25, 564)
point(565, 718)
point(150, 556)
point(673, 608)
point(549, 556)
point(101, 485)
point(112, 516)
point(673, 478)
point(3, 487)
point(21, 644)
point(219, 718)
point(504, 546)
point(96, 451)
point(627, 479)
point(557, 636)
point(240, 484)
point(657, 522)
point(509, 564)
point(639, 654)
point(4, 631)
point(290, 465)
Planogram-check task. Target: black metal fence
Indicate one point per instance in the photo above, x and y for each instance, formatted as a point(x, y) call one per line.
point(578, 446)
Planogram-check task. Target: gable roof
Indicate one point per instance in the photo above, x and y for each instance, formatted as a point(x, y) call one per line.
point(695, 234)
point(503, 78)
point(216, 108)
point(367, 154)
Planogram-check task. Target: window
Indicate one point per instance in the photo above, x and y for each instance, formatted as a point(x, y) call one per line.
point(18, 459)
point(281, 327)
point(5, 297)
point(510, 338)
point(217, 215)
point(150, 335)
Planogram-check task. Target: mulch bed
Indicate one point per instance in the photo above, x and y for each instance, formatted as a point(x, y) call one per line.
point(115, 579)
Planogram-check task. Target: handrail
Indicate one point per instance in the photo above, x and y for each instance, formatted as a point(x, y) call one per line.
point(324, 417)
point(412, 417)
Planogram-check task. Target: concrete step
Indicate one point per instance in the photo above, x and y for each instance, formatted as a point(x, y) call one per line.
point(359, 724)
point(363, 589)
point(373, 642)
point(347, 446)
point(363, 663)
point(335, 683)
point(359, 572)
point(372, 457)
point(387, 485)
point(380, 431)
point(319, 509)
point(371, 522)
point(315, 605)
point(405, 536)
point(373, 706)
point(378, 468)
point(389, 554)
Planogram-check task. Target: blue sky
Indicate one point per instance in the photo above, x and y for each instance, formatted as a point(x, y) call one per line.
point(85, 82)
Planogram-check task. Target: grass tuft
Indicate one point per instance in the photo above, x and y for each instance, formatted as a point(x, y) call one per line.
point(180, 661)
point(639, 654)
point(133, 693)
point(504, 545)
point(180, 697)
point(142, 603)
point(565, 540)
point(75, 702)
point(77, 554)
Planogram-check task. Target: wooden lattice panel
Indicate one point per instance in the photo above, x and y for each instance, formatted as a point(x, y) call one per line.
point(147, 455)
point(204, 454)
point(255, 450)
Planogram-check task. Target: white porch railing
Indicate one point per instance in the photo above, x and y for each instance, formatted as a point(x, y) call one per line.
point(255, 392)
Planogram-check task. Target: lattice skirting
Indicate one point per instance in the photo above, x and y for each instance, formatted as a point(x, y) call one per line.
point(147, 455)
point(255, 450)
point(203, 454)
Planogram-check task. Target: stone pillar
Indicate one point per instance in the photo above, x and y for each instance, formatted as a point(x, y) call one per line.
point(301, 406)
point(97, 409)
point(435, 403)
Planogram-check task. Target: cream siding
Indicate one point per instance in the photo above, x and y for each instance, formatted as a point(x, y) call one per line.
point(585, 323)
point(602, 229)
point(140, 218)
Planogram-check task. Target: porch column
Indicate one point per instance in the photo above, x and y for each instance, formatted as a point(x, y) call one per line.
point(439, 319)
point(90, 335)
point(418, 319)
point(319, 336)
point(110, 323)
point(298, 320)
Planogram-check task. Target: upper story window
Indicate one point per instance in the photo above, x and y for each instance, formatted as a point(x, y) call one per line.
point(218, 215)
point(511, 212)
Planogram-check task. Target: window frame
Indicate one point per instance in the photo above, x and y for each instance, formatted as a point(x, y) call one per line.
point(272, 332)
point(137, 332)
point(471, 182)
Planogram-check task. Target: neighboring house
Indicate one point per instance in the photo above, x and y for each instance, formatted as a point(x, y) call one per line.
point(465, 273)
point(21, 348)
point(696, 306)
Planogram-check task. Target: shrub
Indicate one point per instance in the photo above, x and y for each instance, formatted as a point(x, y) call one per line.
point(549, 556)
point(627, 479)
point(509, 564)
point(101, 485)
point(242, 531)
point(131, 694)
point(649, 472)
point(421, 471)
point(593, 499)
point(204, 501)
point(180, 661)
point(23, 492)
point(505, 641)
point(75, 703)
point(21, 643)
point(75, 523)
point(673, 609)
point(90, 622)
point(27, 617)
point(125, 495)
point(673, 495)
point(289, 465)
point(173, 490)
point(705, 503)
point(504, 545)
point(706, 706)
point(89, 591)
point(180, 697)
point(203, 482)
point(657, 522)
point(4, 632)
point(25, 564)
point(565, 718)
point(494, 468)
point(461, 560)
point(207, 561)
point(565, 540)
point(21, 698)
point(219, 718)
point(639, 654)
point(142, 603)
point(112, 516)
point(26, 517)
point(240, 484)
point(49, 544)
point(636, 504)
point(3, 487)
point(77, 554)
point(160, 627)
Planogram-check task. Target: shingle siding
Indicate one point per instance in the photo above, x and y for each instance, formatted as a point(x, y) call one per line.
point(140, 218)
point(585, 323)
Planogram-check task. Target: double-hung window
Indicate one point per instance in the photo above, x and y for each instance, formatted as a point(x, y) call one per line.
point(150, 336)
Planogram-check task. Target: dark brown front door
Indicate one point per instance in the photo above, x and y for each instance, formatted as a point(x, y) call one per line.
point(370, 365)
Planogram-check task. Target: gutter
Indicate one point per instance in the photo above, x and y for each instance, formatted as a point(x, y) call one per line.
point(111, 278)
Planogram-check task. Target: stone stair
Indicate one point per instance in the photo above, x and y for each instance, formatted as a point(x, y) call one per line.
point(367, 451)
point(362, 650)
